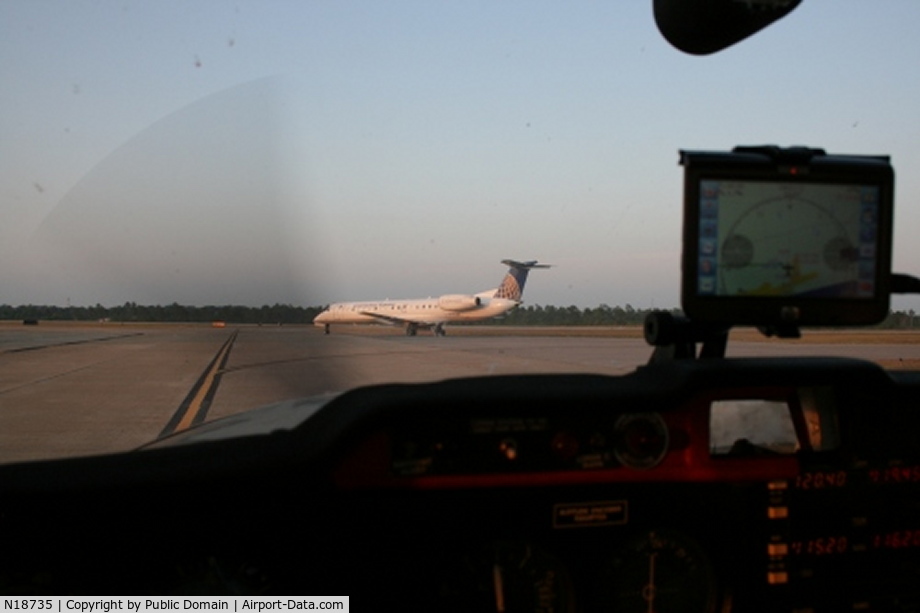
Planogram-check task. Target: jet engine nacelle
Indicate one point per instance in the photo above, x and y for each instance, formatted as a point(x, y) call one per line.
point(458, 302)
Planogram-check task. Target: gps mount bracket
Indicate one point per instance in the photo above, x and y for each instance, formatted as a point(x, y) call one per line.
point(675, 337)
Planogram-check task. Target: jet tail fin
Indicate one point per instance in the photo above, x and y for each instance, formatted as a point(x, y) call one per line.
point(512, 287)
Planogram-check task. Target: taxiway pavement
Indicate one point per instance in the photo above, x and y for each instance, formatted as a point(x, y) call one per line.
point(68, 390)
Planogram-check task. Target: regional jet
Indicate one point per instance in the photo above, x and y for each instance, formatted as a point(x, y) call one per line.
point(434, 312)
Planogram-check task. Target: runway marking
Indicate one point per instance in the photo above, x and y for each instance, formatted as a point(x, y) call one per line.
point(66, 343)
point(195, 407)
point(54, 376)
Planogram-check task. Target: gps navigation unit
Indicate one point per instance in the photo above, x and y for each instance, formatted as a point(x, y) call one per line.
point(786, 237)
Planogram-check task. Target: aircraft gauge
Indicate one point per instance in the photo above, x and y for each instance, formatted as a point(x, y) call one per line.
point(658, 570)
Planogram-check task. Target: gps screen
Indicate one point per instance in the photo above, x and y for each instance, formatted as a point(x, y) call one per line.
point(777, 239)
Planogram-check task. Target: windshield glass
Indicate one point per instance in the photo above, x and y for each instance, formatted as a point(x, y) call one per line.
point(187, 186)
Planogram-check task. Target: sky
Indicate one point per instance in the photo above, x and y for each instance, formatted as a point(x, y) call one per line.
point(218, 152)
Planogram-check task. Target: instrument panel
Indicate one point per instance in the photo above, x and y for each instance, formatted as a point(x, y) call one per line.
point(755, 497)
point(734, 485)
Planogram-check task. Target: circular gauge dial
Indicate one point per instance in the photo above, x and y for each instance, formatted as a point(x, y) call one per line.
point(659, 570)
point(511, 576)
point(640, 439)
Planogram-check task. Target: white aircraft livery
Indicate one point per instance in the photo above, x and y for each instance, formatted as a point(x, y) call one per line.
point(434, 312)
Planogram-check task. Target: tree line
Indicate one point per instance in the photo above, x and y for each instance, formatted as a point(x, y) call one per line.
point(278, 314)
point(176, 313)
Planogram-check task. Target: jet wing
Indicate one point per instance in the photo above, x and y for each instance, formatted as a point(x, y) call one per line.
point(393, 319)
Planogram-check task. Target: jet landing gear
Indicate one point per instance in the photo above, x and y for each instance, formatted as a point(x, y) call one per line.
point(412, 329)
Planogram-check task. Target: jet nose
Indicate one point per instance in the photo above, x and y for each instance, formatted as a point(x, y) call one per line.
point(322, 318)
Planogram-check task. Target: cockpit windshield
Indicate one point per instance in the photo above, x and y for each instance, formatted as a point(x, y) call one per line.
point(205, 203)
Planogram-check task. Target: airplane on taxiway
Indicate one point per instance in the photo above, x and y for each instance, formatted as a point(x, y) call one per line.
point(434, 312)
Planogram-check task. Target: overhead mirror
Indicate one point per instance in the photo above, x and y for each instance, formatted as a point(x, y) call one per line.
point(701, 27)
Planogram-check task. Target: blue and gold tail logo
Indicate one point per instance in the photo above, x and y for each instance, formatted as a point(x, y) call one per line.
point(512, 287)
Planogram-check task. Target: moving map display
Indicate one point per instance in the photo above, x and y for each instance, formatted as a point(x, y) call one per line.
point(775, 239)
